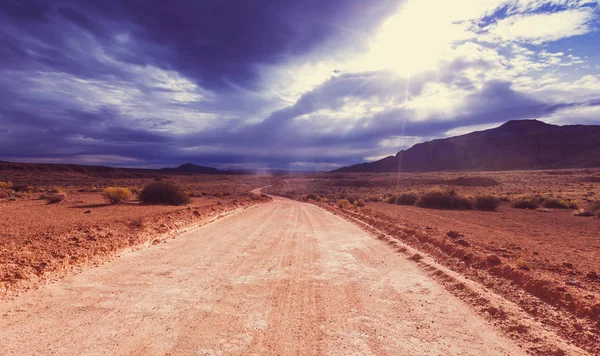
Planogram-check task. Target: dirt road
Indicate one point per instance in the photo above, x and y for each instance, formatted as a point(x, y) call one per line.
point(282, 278)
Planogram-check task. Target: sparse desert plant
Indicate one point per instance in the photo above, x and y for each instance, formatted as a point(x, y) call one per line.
point(525, 203)
point(582, 212)
point(444, 199)
point(344, 204)
point(486, 202)
point(6, 185)
point(164, 192)
point(312, 196)
point(595, 208)
point(390, 200)
point(358, 203)
point(407, 198)
point(553, 204)
point(56, 190)
point(115, 195)
point(54, 198)
point(4, 193)
point(570, 203)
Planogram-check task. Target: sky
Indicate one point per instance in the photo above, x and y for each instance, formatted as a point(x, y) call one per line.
point(286, 84)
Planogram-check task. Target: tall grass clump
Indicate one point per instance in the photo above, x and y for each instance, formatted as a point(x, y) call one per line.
point(164, 192)
point(486, 202)
point(444, 199)
point(115, 195)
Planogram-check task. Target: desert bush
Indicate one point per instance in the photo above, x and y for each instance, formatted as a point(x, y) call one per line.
point(54, 198)
point(164, 192)
point(444, 199)
point(526, 203)
point(407, 198)
point(595, 206)
point(583, 212)
point(474, 182)
point(312, 196)
point(570, 203)
point(390, 200)
point(486, 202)
point(358, 203)
point(553, 204)
point(56, 190)
point(116, 195)
point(6, 185)
point(344, 204)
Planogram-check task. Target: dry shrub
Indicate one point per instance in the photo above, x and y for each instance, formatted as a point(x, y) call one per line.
point(6, 185)
point(390, 200)
point(54, 198)
point(474, 182)
point(554, 204)
point(312, 196)
point(444, 199)
point(344, 204)
point(526, 203)
point(358, 203)
point(595, 208)
point(115, 195)
point(407, 198)
point(164, 192)
point(487, 202)
point(4, 193)
point(582, 212)
point(56, 190)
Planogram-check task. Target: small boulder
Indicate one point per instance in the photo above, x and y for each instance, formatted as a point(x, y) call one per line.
point(572, 282)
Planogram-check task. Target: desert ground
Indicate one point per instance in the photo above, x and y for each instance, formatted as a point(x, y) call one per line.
point(298, 273)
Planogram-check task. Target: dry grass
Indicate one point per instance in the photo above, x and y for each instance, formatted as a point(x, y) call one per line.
point(115, 195)
point(344, 204)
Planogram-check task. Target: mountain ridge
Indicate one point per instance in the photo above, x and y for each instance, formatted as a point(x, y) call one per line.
point(514, 145)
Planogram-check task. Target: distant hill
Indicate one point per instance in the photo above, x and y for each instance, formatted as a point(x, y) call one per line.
point(95, 171)
point(516, 145)
point(108, 172)
point(195, 169)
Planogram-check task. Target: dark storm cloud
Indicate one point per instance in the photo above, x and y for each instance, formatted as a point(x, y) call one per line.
point(218, 43)
point(167, 82)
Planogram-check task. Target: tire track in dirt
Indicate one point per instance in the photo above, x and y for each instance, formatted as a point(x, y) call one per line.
point(281, 278)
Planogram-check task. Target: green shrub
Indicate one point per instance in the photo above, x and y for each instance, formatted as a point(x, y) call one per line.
point(487, 202)
point(164, 192)
point(407, 198)
point(444, 199)
point(116, 195)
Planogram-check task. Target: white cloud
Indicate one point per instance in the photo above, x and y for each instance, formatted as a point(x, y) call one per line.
point(542, 27)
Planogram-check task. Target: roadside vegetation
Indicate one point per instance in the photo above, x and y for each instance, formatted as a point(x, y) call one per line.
point(115, 195)
point(164, 192)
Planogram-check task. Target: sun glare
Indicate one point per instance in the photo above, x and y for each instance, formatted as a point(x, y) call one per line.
point(415, 39)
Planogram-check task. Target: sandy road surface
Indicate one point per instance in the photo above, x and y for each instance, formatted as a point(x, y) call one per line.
point(282, 278)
